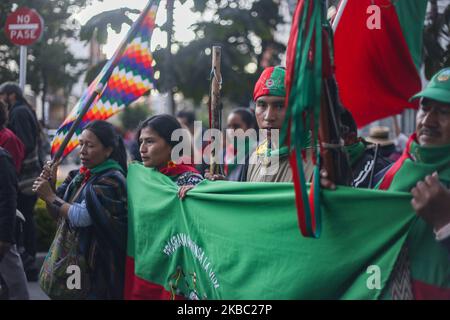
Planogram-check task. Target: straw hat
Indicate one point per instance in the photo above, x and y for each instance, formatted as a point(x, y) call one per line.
point(379, 135)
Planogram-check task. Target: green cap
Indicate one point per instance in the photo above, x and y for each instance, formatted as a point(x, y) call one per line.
point(438, 88)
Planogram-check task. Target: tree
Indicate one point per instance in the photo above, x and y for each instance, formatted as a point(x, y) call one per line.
point(437, 40)
point(244, 29)
point(132, 116)
point(98, 25)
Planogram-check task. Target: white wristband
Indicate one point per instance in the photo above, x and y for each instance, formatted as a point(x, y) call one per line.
point(443, 233)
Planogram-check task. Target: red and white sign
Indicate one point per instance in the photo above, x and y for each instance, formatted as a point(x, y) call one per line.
point(24, 26)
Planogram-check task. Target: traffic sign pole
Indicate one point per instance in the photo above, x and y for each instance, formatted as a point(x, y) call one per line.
point(23, 27)
point(23, 67)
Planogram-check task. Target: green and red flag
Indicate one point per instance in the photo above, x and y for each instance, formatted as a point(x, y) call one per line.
point(378, 52)
point(309, 65)
point(230, 240)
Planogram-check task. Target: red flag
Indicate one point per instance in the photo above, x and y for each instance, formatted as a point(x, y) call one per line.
point(375, 70)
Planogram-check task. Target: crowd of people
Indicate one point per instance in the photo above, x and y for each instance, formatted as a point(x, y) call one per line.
point(90, 206)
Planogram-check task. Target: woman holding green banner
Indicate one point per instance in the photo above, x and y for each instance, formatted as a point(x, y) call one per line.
point(87, 257)
point(155, 146)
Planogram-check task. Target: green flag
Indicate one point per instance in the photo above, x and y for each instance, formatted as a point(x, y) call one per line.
point(233, 240)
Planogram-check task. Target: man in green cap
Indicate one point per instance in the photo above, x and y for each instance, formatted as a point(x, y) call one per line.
point(424, 170)
point(429, 145)
point(422, 269)
point(431, 197)
point(270, 161)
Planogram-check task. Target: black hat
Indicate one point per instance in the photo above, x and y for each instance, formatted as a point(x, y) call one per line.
point(11, 87)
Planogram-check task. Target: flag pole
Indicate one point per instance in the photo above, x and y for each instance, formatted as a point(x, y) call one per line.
point(60, 152)
point(334, 159)
point(339, 13)
point(396, 126)
point(102, 81)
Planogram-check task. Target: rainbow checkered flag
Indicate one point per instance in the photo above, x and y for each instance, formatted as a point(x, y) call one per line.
point(126, 77)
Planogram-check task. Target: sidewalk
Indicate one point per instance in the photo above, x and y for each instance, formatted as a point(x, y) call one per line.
point(33, 287)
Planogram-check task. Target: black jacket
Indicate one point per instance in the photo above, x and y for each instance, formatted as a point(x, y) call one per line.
point(363, 168)
point(23, 122)
point(8, 197)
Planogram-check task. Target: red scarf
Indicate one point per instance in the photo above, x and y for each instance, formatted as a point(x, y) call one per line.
point(87, 174)
point(172, 169)
point(389, 176)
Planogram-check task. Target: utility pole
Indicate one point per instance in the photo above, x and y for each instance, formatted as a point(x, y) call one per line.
point(169, 57)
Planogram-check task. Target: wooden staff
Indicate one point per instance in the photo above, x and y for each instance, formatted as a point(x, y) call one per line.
point(328, 162)
point(216, 107)
point(334, 160)
point(333, 155)
point(396, 126)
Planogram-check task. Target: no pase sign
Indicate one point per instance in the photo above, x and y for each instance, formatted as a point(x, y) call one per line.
point(24, 26)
